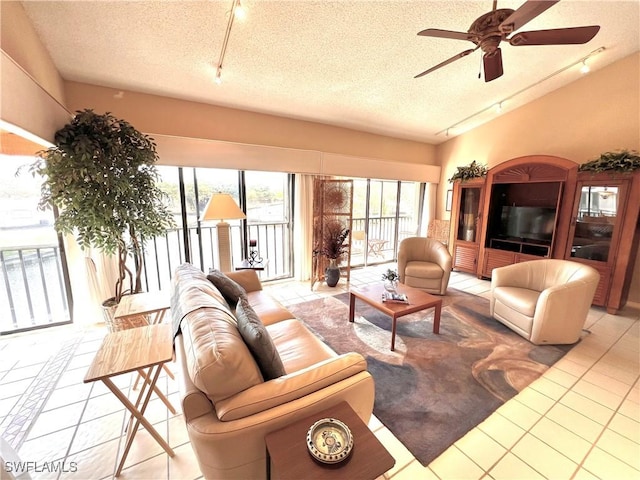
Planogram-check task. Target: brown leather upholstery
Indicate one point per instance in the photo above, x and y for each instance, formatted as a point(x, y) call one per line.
point(546, 301)
point(229, 408)
point(424, 263)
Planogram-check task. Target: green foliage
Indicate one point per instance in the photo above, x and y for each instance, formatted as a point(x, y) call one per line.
point(332, 244)
point(390, 275)
point(618, 161)
point(101, 176)
point(468, 172)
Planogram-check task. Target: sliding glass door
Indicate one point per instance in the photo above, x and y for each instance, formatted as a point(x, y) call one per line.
point(265, 197)
point(384, 212)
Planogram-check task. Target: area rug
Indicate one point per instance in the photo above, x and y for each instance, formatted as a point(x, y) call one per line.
point(433, 388)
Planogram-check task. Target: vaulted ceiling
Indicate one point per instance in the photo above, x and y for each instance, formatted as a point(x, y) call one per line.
point(349, 63)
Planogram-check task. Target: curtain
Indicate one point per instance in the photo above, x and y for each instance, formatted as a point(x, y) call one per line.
point(92, 276)
point(303, 227)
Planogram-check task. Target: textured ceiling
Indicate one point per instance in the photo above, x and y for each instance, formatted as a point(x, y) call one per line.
point(346, 63)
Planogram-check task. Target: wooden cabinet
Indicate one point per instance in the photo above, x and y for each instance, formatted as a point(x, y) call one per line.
point(605, 232)
point(526, 216)
point(466, 217)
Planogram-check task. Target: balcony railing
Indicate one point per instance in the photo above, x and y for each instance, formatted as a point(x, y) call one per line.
point(381, 245)
point(163, 254)
point(32, 288)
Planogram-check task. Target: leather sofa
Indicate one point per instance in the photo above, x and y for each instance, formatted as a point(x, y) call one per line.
point(424, 263)
point(546, 301)
point(227, 404)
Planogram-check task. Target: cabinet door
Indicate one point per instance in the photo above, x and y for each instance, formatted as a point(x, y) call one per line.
point(596, 227)
point(468, 213)
point(465, 257)
point(595, 218)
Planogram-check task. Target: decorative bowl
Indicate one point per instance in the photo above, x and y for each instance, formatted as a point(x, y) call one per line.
point(329, 440)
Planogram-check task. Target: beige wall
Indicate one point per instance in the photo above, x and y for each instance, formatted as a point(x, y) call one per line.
point(20, 41)
point(168, 116)
point(597, 113)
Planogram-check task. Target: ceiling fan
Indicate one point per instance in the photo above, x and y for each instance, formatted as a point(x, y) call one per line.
point(487, 31)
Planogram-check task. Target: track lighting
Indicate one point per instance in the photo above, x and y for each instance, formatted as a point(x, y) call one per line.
point(239, 11)
point(585, 68)
point(498, 105)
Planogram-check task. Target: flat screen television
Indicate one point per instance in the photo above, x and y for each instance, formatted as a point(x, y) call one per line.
point(527, 223)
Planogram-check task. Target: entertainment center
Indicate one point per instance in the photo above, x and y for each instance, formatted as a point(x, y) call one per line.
point(540, 206)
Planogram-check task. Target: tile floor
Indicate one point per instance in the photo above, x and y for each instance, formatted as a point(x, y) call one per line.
point(580, 420)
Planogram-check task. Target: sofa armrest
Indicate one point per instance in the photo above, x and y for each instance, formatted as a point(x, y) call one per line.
point(562, 309)
point(194, 402)
point(290, 387)
point(247, 279)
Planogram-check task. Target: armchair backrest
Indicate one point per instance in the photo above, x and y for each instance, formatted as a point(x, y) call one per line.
point(422, 249)
point(540, 275)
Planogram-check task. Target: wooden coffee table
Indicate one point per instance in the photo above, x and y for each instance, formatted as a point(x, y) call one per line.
point(287, 450)
point(418, 300)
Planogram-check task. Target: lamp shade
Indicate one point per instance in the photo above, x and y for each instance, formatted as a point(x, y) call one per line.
point(222, 206)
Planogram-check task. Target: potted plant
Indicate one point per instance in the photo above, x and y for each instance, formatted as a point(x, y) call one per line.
point(468, 172)
point(333, 247)
point(101, 176)
point(624, 161)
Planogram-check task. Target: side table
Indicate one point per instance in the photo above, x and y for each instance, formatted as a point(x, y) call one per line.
point(131, 350)
point(287, 450)
point(245, 265)
point(150, 305)
point(153, 304)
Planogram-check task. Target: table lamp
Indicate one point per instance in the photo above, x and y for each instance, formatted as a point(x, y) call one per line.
point(223, 207)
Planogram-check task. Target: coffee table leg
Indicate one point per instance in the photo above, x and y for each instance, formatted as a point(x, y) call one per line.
point(393, 333)
point(436, 317)
point(352, 307)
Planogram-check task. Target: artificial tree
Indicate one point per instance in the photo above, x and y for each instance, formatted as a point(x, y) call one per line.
point(101, 176)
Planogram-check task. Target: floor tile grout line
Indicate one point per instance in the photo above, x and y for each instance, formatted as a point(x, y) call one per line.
point(58, 364)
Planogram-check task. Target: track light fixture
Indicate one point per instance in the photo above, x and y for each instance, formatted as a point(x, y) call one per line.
point(585, 68)
point(498, 105)
point(237, 11)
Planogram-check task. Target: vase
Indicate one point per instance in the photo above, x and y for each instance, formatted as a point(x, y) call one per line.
point(391, 286)
point(332, 274)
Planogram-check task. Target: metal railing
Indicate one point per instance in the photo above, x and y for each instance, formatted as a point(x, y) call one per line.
point(382, 230)
point(163, 254)
point(32, 288)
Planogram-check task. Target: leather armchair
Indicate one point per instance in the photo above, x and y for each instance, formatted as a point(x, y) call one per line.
point(424, 263)
point(546, 301)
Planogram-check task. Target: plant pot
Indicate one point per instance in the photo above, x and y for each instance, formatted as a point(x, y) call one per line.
point(332, 275)
point(109, 307)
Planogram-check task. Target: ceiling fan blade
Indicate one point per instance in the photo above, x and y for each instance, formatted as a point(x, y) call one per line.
point(527, 12)
point(447, 62)
point(558, 36)
point(436, 32)
point(492, 65)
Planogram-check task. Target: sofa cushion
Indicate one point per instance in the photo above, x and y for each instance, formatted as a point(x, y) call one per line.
point(218, 361)
point(258, 340)
point(190, 290)
point(297, 346)
point(268, 309)
point(423, 270)
point(229, 288)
